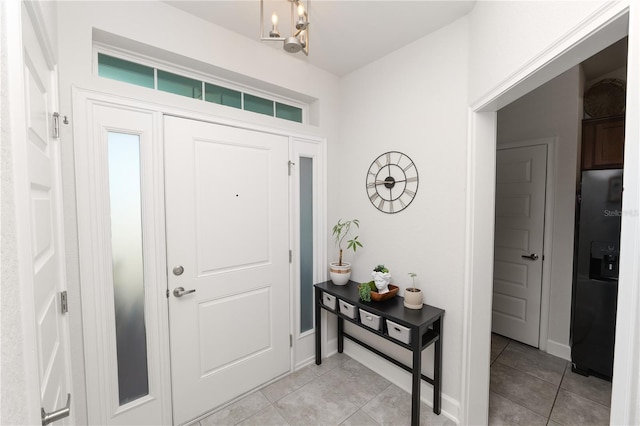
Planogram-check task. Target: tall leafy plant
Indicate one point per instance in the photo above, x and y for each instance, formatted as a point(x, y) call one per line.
point(341, 230)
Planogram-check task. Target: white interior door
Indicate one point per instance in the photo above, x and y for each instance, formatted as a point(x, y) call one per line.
point(521, 175)
point(47, 248)
point(228, 250)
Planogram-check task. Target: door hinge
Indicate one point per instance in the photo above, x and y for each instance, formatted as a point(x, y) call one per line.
point(290, 340)
point(167, 293)
point(290, 256)
point(64, 304)
point(291, 164)
point(55, 125)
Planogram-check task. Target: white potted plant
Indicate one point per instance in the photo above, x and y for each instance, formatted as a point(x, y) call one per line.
point(381, 278)
point(340, 271)
point(413, 295)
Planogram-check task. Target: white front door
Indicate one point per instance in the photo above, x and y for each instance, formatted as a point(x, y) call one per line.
point(46, 219)
point(521, 175)
point(228, 261)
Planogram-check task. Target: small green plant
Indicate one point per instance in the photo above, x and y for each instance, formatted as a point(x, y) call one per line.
point(365, 290)
point(413, 276)
point(340, 231)
point(380, 268)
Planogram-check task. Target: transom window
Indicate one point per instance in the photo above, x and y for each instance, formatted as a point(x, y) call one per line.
point(151, 77)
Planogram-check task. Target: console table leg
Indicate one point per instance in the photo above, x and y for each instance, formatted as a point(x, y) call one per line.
point(437, 367)
point(340, 335)
point(318, 324)
point(416, 377)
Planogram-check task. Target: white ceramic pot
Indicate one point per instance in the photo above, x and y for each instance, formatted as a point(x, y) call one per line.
point(340, 274)
point(413, 299)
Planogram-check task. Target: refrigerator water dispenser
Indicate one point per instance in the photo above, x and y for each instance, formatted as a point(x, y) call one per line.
point(603, 263)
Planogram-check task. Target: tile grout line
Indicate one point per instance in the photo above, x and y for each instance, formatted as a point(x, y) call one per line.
point(531, 374)
point(527, 372)
point(557, 393)
point(503, 349)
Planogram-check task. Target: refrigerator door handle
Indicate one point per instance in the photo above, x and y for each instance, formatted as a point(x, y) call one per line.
point(532, 256)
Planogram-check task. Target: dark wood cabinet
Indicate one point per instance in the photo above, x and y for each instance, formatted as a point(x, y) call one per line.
point(603, 143)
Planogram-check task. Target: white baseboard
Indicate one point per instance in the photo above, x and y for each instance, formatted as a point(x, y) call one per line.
point(304, 363)
point(559, 350)
point(332, 349)
point(399, 377)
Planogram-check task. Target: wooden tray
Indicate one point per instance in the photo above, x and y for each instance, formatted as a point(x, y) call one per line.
point(377, 297)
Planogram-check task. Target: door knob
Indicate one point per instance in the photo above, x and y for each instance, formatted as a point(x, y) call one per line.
point(178, 270)
point(54, 416)
point(532, 256)
point(180, 291)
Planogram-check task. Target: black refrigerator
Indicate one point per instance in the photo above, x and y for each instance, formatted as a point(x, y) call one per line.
point(595, 282)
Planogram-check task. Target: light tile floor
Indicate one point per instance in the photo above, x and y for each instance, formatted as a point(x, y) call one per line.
point(530, 387)
point(341, 391)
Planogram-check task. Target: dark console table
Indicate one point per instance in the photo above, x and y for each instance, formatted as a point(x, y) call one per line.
point(425, 328)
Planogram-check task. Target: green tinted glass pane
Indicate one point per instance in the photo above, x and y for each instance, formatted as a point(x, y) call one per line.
point(179, 85)
point(121, 70)
point(259, 105)
point(288, 112)
point(222, 96)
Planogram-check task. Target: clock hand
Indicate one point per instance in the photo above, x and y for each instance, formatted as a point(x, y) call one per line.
point(382, 182)
point(413, 179)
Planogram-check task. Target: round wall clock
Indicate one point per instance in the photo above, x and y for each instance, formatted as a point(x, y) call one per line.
point(392, 182)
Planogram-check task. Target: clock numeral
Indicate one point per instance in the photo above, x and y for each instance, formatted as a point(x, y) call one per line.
point(408, 167)
point(373, 197)
point(402, 204)
point(371, 185)
point(381, 204)
point(412, 179)
point(388, 158)
point(378, 163)
point(409, 192)
point(391, 207)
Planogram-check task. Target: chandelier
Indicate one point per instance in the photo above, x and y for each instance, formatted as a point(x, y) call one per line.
point(299, 38)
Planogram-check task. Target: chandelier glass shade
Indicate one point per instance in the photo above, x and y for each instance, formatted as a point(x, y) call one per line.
point(297, 39)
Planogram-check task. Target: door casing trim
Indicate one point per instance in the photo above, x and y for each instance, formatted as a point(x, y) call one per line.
point(607, 24)
point(81, 98)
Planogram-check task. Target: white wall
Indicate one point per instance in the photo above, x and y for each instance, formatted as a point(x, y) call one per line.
point(174, 34)
point(554, 110)
point(508, 35)
point(413, 101)
point(13, 390)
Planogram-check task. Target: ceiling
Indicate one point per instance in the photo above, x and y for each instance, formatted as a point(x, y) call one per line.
point(607, 60)
point(344, 35)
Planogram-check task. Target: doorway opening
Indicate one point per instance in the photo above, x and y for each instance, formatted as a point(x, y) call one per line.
point(604, 30)
point(553, 109)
